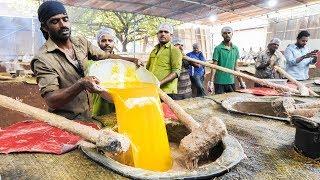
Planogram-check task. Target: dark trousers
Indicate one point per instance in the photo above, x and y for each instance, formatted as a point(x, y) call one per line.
point(224, 88)
point(180, 96)
point(197, 81)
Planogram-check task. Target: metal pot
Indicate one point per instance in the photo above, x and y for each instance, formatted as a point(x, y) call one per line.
point(307, 137)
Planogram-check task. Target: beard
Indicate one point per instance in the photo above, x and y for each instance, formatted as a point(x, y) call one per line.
point(163, 40)
point(300, 45)
point(107, 48)
point(61, 36)
point(227, 39)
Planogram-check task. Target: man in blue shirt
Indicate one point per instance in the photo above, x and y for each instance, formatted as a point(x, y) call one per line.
point(299, 57)
point(196, 71)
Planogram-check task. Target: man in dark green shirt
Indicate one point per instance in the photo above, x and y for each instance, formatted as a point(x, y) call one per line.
point(226, 55)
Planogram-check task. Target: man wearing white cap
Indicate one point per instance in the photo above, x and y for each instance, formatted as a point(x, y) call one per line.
point(165, 60)
point(226, 55)
point(106, 42)
point(105, 39)
point(266, 61)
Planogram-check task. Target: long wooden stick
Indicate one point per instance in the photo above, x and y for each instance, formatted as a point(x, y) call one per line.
point(314, 104)
point(240, 74)
point(107, 139)
point(183, 116)
point(292, 79)
point(5, 77)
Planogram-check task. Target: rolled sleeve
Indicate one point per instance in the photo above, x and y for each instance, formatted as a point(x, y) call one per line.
point(216, 55)
point(94, 52)
point(176, 61)
point(291, 60)
point(47, 78)
point(238, 54)
point(202, 57)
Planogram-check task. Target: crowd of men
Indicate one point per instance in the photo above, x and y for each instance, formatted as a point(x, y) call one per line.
point(61, 63)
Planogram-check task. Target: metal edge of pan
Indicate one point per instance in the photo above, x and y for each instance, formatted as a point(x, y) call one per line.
point(231, 156)
point(227, 104)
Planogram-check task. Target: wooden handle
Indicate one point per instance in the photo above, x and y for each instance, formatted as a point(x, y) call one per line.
point(100, 137)
point(246, 76)
point(183, 116)
point(305, 112)
point(315, 104)
point(292, 79)
point(5, 77)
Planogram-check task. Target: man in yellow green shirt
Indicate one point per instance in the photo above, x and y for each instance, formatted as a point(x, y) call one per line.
point(105, 40)
point(165, 61)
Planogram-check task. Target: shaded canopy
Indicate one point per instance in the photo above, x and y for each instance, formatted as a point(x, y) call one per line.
point(190, 10)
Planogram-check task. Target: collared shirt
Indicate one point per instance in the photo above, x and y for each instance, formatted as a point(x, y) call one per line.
point(163, 61)
point(226, 57)
point(263, 69)
point(196, 71)
point(300, 71)
point(100, 106)
point(55, 70)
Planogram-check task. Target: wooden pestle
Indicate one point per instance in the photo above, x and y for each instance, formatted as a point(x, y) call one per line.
point(106, 139)
point(240, 74)
point(203, 136)
point(300, 85)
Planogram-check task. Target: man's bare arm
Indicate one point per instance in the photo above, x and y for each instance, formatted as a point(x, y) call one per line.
point(242, 83)
point(60, 97)
point(213, 71)
point(168, 78)
point(115, 56)
point(194, 64)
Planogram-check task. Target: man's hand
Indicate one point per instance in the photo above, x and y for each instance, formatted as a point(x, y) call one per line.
point(136, 61)
point(243, 85)
point(210, 86)
point(90, 83)
point(311, 54)
point(272, 61)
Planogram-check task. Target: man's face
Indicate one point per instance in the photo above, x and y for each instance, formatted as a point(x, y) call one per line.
point(227, 36)
point(302, 41)
point(273, 47)
point(58, 27)
point(106, 43)
point(164, 36)
point(196, 49)
point(179, 46)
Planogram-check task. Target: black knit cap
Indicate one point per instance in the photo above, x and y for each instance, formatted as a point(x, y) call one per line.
point(50, 8)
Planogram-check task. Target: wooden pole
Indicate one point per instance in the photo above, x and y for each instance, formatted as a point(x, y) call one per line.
point(183, 116)
point(246, 76)
point(107, 139)
point(292, 79)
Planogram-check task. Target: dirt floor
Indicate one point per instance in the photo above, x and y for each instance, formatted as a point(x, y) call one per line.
point(27, 93)
point(267, 143)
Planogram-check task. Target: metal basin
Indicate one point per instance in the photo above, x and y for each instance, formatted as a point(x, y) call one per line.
point(229, 153)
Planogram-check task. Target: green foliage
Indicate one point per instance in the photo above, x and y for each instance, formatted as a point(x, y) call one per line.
point(128, 26)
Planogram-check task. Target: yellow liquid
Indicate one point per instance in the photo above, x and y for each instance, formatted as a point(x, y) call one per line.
point(140, 117)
